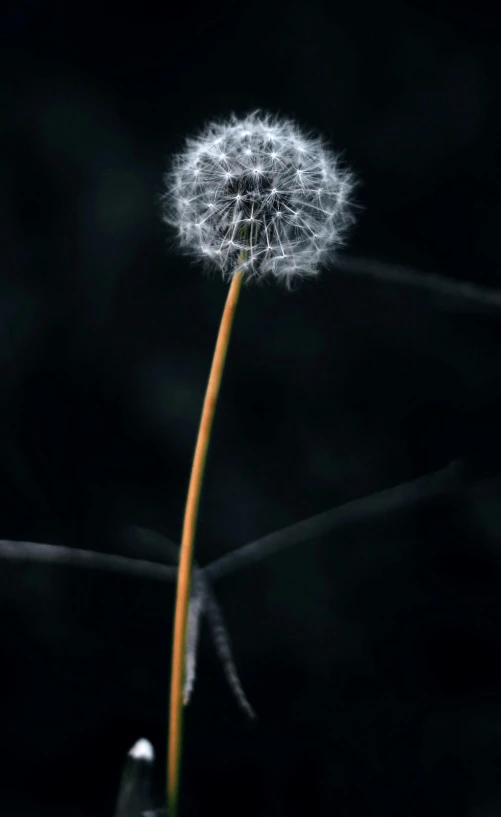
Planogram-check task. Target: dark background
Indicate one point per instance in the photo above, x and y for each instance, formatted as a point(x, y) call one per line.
point(372, 656)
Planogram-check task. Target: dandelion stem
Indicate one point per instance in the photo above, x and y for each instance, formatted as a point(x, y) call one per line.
point(188, 535)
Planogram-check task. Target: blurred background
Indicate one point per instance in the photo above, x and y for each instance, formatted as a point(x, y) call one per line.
point(372, 655)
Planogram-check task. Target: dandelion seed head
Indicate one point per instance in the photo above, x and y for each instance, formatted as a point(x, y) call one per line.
point(258, 188)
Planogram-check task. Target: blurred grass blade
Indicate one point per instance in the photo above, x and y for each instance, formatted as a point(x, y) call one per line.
point(134, 795)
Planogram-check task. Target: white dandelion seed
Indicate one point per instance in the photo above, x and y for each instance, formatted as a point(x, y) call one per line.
point(260, 190)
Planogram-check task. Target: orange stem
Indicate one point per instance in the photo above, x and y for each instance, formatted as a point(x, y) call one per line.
point(186, 553)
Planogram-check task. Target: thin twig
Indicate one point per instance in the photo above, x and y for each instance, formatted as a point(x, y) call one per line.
point(462, 291)
point(357, 510)
point(74, 557)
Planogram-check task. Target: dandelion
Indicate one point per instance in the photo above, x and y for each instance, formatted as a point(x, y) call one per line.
point(259, 190)
point(253, 198)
